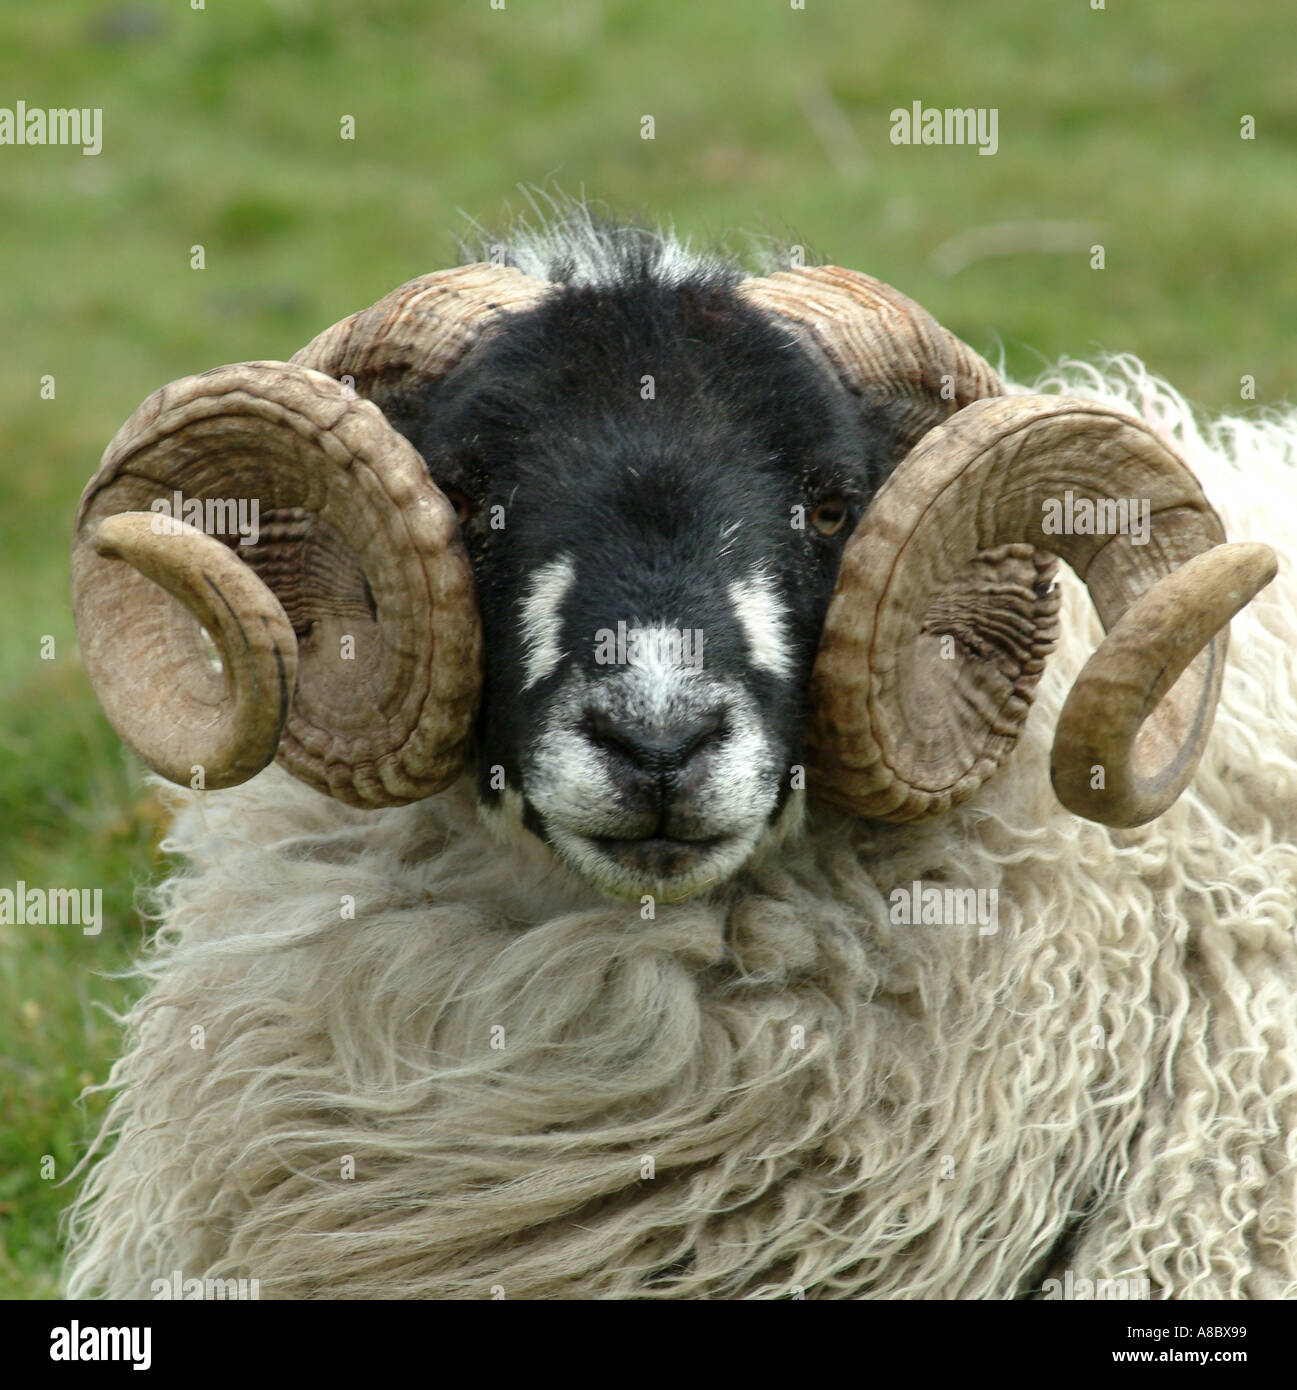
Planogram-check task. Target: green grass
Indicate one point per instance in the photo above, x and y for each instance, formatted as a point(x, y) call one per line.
point(221, 128)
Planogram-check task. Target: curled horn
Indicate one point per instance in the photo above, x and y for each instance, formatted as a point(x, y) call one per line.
point(347, 633)
point(943, 613)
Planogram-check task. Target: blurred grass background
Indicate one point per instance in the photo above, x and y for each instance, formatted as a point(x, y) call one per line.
point(221, 128)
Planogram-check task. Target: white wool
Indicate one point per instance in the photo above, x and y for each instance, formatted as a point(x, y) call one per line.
point(772, 1090)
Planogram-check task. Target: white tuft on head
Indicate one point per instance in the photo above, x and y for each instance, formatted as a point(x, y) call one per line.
point(571, 242)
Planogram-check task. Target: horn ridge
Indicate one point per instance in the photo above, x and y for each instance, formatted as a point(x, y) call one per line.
point(935, 638)
point(383, 700)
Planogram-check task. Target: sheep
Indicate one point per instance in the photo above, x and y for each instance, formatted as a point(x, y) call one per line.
point(657, 977)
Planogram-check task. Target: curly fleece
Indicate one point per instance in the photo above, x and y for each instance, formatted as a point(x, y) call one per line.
point(492, 1080)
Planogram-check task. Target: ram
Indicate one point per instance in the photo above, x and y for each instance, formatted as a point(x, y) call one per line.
point(682, 875)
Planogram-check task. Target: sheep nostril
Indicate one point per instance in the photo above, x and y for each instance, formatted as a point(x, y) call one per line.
point(655, 748)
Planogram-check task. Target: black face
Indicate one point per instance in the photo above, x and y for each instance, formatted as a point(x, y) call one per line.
point(655, 484)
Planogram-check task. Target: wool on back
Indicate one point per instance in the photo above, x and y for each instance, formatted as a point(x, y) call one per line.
point(435, 1065)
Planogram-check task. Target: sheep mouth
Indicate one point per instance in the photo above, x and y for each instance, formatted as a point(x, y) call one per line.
point(662, 856)
point(663, 866)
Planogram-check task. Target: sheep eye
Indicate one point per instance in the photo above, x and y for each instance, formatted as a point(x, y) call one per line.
point(461, 502)
point(830, 516)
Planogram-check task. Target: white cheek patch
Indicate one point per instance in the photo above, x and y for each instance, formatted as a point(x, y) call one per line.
point(541, 618)
point(761, 616)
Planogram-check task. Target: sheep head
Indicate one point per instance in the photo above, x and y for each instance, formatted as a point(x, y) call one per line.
point(872, 575)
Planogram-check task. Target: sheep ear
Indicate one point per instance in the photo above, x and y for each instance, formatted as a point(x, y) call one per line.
point(903, 727)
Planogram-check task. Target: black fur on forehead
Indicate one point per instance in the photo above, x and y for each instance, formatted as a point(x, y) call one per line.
point(650, 371)
point(662, 435)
